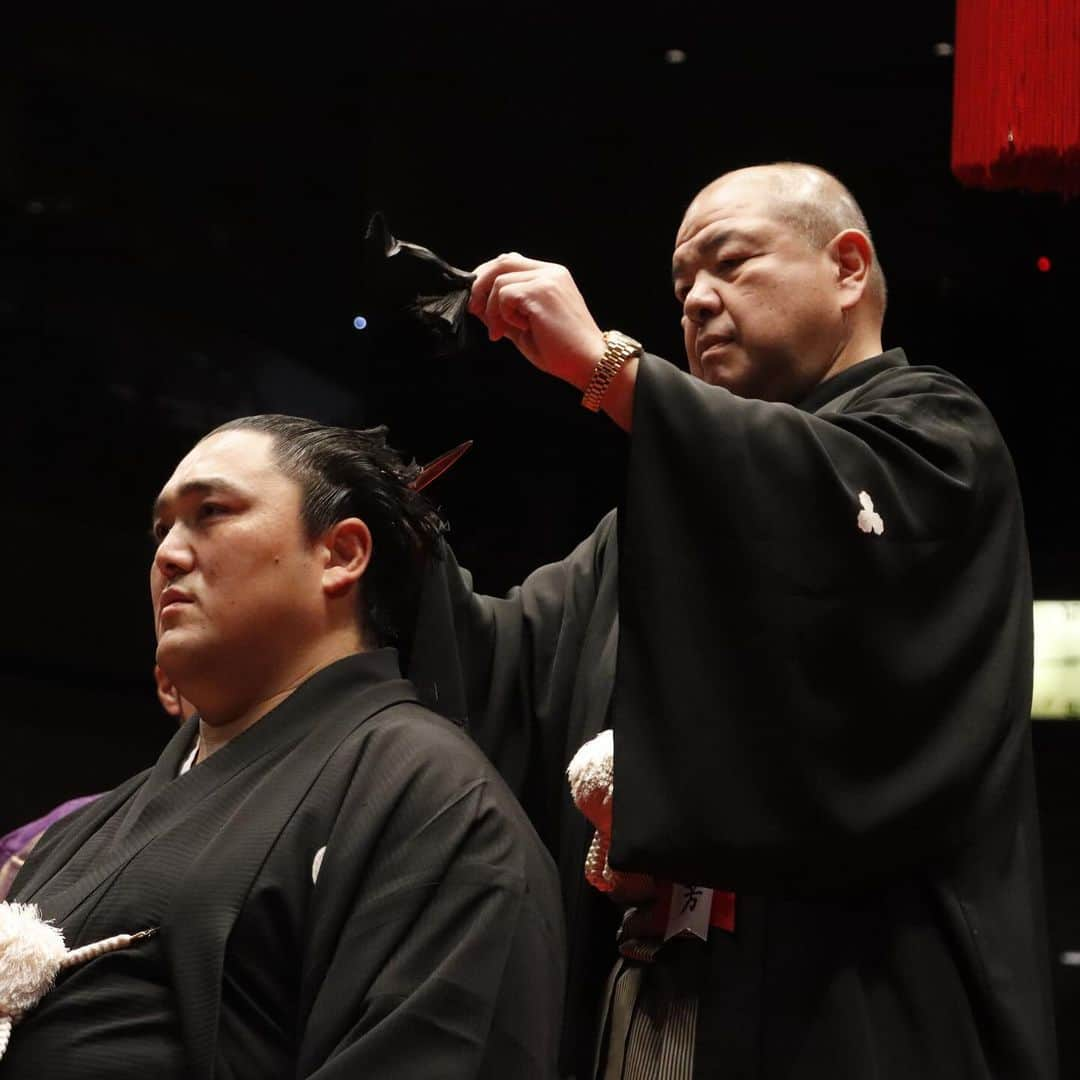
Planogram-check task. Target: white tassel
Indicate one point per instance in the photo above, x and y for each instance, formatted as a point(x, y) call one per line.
point(591, 773)
point(32, 951)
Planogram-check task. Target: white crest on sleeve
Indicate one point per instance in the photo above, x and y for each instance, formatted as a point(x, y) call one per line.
point(868, 520)
point(316, 865)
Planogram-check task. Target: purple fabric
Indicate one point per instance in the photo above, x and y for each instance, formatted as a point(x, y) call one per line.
point(20, 837)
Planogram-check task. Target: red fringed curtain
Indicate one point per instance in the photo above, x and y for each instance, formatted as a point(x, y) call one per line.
point(1016, 102)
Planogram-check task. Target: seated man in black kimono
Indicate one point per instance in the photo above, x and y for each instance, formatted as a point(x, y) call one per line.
point(810, 629)
point(339, 882)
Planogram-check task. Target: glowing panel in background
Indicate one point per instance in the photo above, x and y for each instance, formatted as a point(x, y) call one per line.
point(1056, 693)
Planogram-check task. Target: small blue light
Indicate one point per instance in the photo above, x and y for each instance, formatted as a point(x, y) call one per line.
point(359, 322)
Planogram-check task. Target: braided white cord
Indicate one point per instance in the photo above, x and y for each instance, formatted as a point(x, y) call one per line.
point(73, 959)
point(100, 948)
point(596, 864)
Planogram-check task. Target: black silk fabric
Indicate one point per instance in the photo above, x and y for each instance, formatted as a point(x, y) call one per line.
point(830, 721)
point(429, 944)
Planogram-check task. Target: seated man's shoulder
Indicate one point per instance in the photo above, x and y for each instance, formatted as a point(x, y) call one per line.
point(411, 726)
point(428, 792)
point(437, 758)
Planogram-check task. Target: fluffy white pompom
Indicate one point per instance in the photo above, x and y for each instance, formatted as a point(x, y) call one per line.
point(30, 954)
point(591, 772)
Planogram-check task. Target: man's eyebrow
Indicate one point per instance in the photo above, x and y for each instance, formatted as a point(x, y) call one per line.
point(210, 485)
point(713, 242)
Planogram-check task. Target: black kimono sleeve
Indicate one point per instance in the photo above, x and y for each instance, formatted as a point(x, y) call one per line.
point(804, 699)
point(530, 673)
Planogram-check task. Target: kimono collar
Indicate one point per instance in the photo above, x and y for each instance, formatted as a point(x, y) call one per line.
point(852, 377)
point(320, 713)
point(359, 670)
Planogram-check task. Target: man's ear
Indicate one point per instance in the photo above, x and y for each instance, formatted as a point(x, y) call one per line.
point(347, 547)
point(853, 257)
point(167, 693)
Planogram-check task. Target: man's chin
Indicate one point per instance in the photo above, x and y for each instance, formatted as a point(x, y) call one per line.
point(178, 653)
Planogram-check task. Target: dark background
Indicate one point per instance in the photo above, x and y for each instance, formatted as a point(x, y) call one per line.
point(181, 212)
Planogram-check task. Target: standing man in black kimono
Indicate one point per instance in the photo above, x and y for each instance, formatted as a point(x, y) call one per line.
point(810, 628)
point(338, 882)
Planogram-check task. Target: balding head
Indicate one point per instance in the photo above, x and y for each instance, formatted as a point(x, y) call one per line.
point(813, 203)
point(776, 275)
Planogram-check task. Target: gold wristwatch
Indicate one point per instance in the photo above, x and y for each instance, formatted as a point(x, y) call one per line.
point(620, 347)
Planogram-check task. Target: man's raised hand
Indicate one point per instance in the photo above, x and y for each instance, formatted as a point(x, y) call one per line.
point(539, 308)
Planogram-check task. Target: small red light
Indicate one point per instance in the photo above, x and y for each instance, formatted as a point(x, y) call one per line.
point(1043, 263)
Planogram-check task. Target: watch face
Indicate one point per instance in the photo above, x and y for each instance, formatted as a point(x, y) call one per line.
point(617, 337)
point(1056, 690)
